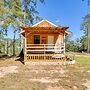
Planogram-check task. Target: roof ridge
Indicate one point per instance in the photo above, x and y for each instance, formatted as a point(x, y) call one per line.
point(43, 21)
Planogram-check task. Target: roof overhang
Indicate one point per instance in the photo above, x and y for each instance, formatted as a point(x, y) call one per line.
point(44, 27)
point(44, 30)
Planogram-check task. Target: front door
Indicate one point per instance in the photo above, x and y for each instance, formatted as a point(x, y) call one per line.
point(50, 41)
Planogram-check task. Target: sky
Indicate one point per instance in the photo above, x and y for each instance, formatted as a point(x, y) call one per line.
point(65, 13)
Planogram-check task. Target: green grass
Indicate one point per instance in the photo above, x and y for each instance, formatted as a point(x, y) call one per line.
point(82, 59)
point(78, 74)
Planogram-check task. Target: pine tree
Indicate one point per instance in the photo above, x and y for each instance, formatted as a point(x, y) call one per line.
point(86, 27)
point(16, 13)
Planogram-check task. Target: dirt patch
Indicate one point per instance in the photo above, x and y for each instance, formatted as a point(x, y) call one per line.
point(7, 70)
point(55, 88)
point(87, 84)
point(61, 71)
point(45, 80)
point(88, 71)
point(43, 77)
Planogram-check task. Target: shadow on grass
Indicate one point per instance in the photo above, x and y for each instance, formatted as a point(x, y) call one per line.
point(5, 57)
point(21, 57)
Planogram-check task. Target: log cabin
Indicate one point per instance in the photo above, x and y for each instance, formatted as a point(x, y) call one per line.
point(44, 41)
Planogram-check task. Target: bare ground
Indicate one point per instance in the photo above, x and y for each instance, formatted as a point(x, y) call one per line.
point(16, 76)
point(7, 70)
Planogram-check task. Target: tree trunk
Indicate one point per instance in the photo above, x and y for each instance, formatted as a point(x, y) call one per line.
point(25, 17)
point(14, 44)
point(88, 38)
point(7, 46)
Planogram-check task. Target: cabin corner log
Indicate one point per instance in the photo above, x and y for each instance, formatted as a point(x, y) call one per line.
point(25, 49)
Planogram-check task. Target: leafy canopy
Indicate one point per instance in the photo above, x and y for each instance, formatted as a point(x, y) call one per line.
point(17, 13)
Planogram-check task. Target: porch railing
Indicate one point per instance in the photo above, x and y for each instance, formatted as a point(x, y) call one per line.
point(45, 48)
point(45, 52)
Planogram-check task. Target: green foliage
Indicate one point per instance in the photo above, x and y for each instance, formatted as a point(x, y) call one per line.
point(16, 13)
point(83, 41)
point(76, 46)
point(1, 41)
point(85, 23)
point(6, 46)
point(70, 46)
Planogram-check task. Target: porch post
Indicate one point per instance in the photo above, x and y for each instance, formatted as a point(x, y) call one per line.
point(25, 48)
point(64, 43)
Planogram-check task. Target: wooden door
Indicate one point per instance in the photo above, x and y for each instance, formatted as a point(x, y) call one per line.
point(50, 41)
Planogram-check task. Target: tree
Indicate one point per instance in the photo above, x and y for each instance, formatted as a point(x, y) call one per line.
point(86, 27)
point(69, 43)
point(1, 41)
point(14, 14)
point(77, 45)
point(83, 41)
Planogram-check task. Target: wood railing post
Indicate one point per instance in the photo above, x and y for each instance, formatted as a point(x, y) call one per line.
point(43, 48)
point(64, 43)
point(44, 51)
point(25, 46)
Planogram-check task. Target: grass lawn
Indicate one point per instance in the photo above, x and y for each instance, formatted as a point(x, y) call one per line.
point(46, 77)
point(81, 59)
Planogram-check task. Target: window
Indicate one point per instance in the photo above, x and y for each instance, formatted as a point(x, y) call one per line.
point(36, 39)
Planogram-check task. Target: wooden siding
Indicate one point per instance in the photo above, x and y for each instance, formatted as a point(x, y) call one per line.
point(58, 38)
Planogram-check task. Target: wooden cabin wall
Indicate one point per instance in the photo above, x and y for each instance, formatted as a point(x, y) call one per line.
point(30, 39)
point(58, 38)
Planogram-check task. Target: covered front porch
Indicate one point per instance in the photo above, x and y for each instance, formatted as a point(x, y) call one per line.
point(44, 42)
point(44, 52)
